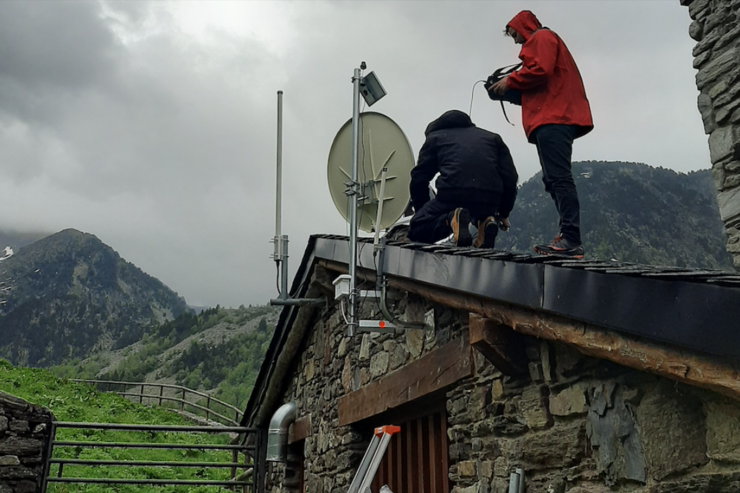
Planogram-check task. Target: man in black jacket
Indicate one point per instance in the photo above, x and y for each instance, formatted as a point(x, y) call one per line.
point(476, 183)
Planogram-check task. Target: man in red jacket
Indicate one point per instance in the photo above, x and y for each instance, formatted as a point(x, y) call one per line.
point(555, 111)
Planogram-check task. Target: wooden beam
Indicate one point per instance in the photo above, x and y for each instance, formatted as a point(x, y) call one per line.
point(300, 429)
point(683, 365)
point(503, 347)
point(433, 371)
point(667, 361)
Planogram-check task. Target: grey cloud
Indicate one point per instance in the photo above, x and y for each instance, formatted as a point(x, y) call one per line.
point(57, 45)
point(133, 13)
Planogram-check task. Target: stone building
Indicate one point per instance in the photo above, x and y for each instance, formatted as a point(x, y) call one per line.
point(588, 376)
point(716, 29)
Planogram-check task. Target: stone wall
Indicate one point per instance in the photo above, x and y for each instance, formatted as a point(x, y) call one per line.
point(574, 424)
point(24, 437)
point(331, 365)
point(577, 424)
point(716, 28)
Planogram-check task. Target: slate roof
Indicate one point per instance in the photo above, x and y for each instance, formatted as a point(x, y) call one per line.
point(696, 309)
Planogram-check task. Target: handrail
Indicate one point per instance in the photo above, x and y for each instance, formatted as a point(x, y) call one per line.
point(248, 480)
point(184, 402)
point(161, 446)
point(209, 399)
point(137, 427)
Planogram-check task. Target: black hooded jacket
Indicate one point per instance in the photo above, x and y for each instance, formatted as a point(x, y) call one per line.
point(473, 164)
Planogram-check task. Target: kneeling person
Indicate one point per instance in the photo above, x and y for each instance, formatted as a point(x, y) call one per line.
point(477, 183)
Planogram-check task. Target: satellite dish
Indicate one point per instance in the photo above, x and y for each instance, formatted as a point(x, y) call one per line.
point(382, 144)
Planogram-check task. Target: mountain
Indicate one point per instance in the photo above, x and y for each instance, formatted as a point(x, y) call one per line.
point(70, 294)
point(218, 351)
point(631, 213)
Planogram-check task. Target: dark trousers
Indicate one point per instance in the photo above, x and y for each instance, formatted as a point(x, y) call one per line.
point(431, 222)
point(555, 147)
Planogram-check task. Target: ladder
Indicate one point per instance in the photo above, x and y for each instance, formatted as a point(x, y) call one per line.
point(370, 462)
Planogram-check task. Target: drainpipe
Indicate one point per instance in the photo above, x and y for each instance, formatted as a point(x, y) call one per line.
point(277, 434)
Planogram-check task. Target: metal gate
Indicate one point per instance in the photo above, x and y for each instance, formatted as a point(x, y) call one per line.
point(246, 474)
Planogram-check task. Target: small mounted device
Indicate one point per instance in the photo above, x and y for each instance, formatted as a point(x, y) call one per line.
point(371, 89)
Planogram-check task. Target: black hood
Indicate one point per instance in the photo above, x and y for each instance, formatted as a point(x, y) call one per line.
point(449, 119)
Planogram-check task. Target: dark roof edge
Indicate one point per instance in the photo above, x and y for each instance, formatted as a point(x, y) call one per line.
point(683, 310)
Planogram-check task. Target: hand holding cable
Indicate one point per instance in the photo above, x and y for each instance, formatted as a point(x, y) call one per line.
point(500, 87)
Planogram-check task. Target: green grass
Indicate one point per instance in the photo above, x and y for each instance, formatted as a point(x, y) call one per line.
point(81, 403)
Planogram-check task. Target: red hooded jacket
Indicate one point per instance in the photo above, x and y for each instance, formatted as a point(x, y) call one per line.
point(551, 85)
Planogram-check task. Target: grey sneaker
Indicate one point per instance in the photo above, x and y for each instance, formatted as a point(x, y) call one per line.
point(561, 247)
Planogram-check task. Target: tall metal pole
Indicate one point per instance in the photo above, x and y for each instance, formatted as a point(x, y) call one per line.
point(353, 192)
point(279, 181)
point(281, 242)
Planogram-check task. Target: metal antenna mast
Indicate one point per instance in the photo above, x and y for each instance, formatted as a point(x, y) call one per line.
point(353, 189)
point(281, 241)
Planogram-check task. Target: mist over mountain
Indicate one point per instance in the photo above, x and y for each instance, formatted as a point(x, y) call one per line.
point(69, 294)
point(631, 213)
point(16, 240)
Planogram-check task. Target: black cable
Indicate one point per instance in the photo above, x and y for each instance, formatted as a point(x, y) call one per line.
point(349, 204)
point(277, 278)
point(361, 303)
point(378, 293)
point(362, 160)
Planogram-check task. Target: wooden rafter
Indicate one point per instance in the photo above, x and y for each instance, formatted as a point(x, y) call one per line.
point(503, 347)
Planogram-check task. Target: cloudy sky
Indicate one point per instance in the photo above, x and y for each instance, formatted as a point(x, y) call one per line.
point(153, 124)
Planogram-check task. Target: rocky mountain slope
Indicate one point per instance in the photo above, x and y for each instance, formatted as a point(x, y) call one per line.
point(218, 351)
point(69, 295)
point(629, 212)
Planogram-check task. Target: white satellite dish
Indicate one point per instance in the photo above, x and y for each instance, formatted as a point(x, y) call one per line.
point(382, 145)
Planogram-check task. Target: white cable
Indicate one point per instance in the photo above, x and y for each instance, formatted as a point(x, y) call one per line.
point(472, 93)
point(341, 309)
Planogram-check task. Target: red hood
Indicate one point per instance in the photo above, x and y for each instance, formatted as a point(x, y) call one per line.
point(525, 23)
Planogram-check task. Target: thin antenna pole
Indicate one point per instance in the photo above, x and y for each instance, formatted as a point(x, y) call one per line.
point(279, 190)
point(353, 205)
point(281, 242)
